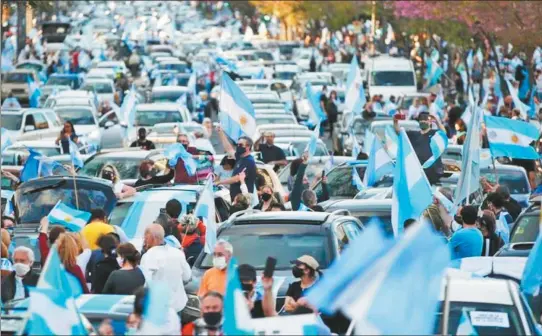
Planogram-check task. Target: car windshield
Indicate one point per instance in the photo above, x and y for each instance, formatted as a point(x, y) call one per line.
point(150, 118)
point(128, 167)
point(98, 87)
point(36, 67)
point(166, 97)
point(176, 67)
point(485, 318)
point(264, 55)
point(383, 219)
point(274, 120)
point(57, 80)
point(392, 78)
point(182, 80)
point(286, 247)
point(11, 122)
point(18, 77)
point(516, 181)
point(313, 170)
point(264, 100)
point(76, 116)
point(340, 182)
point(285, 75)
point(526, 229)
point(321, 150)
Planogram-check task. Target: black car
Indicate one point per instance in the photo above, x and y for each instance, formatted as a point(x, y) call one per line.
point(284, 235)
point(524, 233)
point(35, 198)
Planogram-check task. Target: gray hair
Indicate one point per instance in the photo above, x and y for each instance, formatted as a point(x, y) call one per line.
point(227, 246)
point(309, 198)
point(156, 231)
point(26, 250)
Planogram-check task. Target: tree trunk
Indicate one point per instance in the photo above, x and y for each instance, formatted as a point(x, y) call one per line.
point(21, 25)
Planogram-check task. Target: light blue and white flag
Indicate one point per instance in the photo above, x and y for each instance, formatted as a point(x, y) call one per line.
point(511, 138)
point(34, 93)
point(72, 219)
point(7, 61)
point(470, 60)
point(523, 108)
point(128, 111)
point(5, 139)
point(316, 112)
point(531, 281)
point(434, 72)
point(230, 66)
point(356, 180)
point(175, 152)
point(155, 309)
point(355, 147)
point(445, 202)
point(479, 56)
point(206, 210)
point(311, 146)
point(380, 164)
point(390, 108)
point(182, 100)
point(497, 85)
point(368, 141)
point(237, 320)
point(469, 179)
point(329, 164)
point(355, 94)
point(11, 103)
point(260, 74)
point(412, 193)
point(369, 278)
point(54, 276)
point(438, 144)
point(237, 116)
point(465, 326)
point(391, 141)
point(31, 166)
point(52, 312)
point(75, 155)
point(49, 167)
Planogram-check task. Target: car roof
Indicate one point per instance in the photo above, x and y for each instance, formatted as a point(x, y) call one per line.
point(176, 88)
point(283, 217)
point(21, 71)
point(105, 303)
point(511, 267)
point(158, 106)
point(359, 204)
point(375, 123)
point(29, 110)
point(75, 93)
point(502, 167)
point(476, 290)
point(125, 154)
point(98, 79)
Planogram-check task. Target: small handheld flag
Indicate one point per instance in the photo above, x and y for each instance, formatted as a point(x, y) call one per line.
point(72, 219)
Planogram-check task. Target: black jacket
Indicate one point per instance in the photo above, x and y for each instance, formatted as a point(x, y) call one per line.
point(297, 191)
point(192, 251)
point(103, 269)
point(495, 244)
point(9, 287)
point(513, 208)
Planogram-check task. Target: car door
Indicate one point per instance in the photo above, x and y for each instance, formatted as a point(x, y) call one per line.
point(112, 131)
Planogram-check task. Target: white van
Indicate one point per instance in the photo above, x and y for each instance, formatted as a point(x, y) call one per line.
point(389, 76)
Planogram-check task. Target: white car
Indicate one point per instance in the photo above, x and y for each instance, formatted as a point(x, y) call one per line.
point(117, 66)
point(73, 98)
point(103, 87)
point(31, 124)
point(303, 58)
point(389, 76)
point(101, 73)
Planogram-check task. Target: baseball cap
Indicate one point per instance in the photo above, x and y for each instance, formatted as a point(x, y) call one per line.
point(307, 260)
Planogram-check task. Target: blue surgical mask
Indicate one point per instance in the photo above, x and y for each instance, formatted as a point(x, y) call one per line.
point(131, 331)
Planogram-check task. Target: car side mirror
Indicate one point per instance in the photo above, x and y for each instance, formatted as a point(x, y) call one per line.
point(29, 128)
point(108, 123)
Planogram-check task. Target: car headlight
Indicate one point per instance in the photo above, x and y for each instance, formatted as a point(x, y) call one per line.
point(193, 302)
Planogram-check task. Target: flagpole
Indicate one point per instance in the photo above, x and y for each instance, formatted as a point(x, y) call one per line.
point(446, 309)
point(75, 186)
point(495, 170)
point(350, 328)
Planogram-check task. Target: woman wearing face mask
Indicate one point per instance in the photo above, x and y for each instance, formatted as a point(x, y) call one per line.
point(129, 277)
point(304, 269)
point(121, 190)
point(108, 244)
point(492, 242)
point(266, 199)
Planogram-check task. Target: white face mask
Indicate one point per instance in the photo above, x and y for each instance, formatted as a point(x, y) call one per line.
point(219, 262)
point(120, 261)
point(21, 269)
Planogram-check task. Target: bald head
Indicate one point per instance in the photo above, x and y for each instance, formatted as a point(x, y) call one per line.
point(154, 236)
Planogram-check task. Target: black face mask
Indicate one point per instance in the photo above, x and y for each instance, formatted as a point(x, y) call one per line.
point(142, 137)
point(153, 172)
point(212, 319)
point(266, 197)
point(107, 176)
point(240, 150)
point(185, 146)
point(297, 272)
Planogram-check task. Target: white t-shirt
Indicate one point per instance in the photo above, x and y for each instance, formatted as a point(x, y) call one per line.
point(117, 187)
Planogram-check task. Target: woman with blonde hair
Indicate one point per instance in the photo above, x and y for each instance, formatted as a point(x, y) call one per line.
point(121, 190)
point(68, 251)
point(266, 199)
point(84, 251)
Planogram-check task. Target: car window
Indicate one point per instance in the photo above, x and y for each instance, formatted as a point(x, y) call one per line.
point(98, 87)
point(53, 118)
point(119, 213)
point(40, 121)
point(17, 77)
point(285, 246)
point(58, 80)
point(526, 229)
point(150, 118)
point(341, 236)
point(392, 78)
point(516, 181)
point(128, 167)
point(76, 116)
point(340, 183)
point(11, 122)
point(384, 219)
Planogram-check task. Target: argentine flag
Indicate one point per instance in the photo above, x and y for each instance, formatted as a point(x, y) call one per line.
point(531, 280)
point(391, 140)
point(205, 209)
point(438, 144)
point(356, 180)
point(175, 152)
point(34, 93)
point(469, 180)
point(380, 164)
point(5, 139)
point(237, 116)
point(237, 320)
point(511, 138)
point(128, 109)
point(412, 193)
point(355, 95)
point(434, 72)
point(52, 312)
point(230, 66)
point(11, 104)
point(72, 219)
point(316, 113)
point(54, 276)
point(311, 146)
point(155, 309)
point(75, 155)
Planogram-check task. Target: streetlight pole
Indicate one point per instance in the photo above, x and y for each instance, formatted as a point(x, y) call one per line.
point(373, 26)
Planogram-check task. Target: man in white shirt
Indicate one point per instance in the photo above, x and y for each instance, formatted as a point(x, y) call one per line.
point(165, 264)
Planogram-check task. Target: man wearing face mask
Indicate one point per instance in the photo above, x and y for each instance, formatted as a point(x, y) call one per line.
point(212, 311)
point(142, 141)
point(147, 173)
point(214, 279)
point(243, 162)
point(15, 286)
point(421, 140)
point(271, 154)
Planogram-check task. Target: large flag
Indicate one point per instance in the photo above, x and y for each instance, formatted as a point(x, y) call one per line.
point(5, 140)
point(155, 309)
point(438, 144)
point(175, 152)
point(511, 138)
point(11, 103)
point(316, 113)
point(72, 219)
point(469, 179)
point(75, 155)
point(31, 166)
point(311, 146)
point(523, 108)
point(355, 95)
point(54, 276)
point(237, 320)
point(531, 281)
point(34, 93)
point(368, 281)
point(411, 191)
point(53, 312)
point(367, 141)
point(206, 210)
point(380, 164)
point(356, 149)
point(391, 141)
point(237, 116)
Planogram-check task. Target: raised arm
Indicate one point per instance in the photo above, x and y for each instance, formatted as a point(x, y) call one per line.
point(228, 148)
point(295, 195)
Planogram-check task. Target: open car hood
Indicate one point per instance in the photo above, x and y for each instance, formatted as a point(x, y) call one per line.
point(34, 199)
